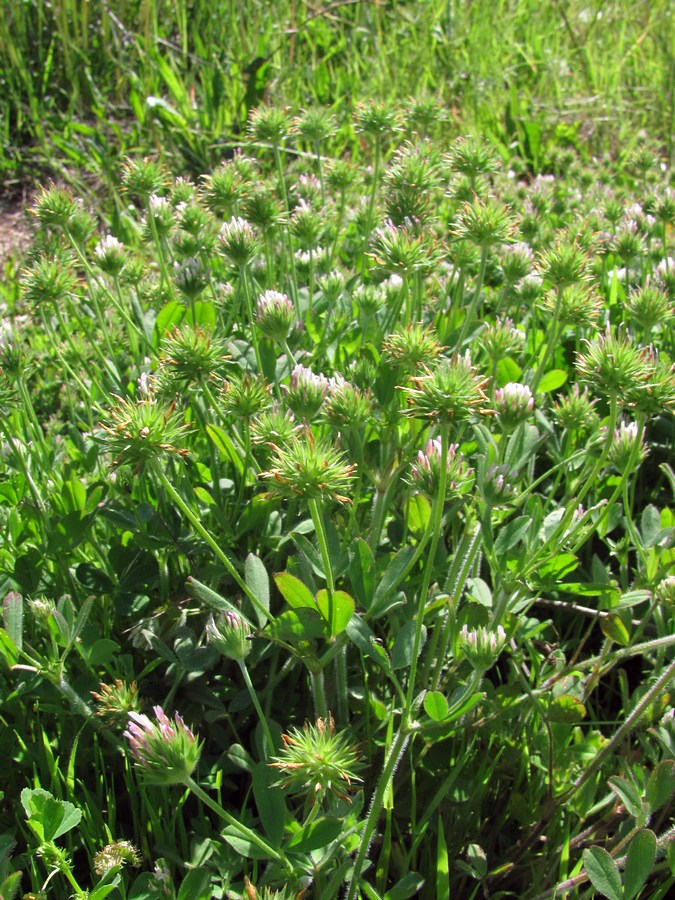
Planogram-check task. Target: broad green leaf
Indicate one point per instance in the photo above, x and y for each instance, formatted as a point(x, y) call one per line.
point(362, 572)
point(557, 567)
point(294, 591)
point(204, 314)
point(407, 887)
point(551, 381)
point(12, 617)
point(258, 580)
point(102, 890)
point(627, 794)
point(10, 886)
point(169, 317)
point(201, 592)
point(511, 534)
point(603, 872)
point(613, 627)
point(402, 651)
point(508, 370)
point(521, 446)
point(295, 626)
point(435, 705)
point(48, 817)
point(566, 710)
point(270, 802)
point(639, 862)
point(661, 784)
point(419, 513)
point(101, 651)
point(94, 579)
point(315, 836)
point(243, 846)
point(196, 885)
point(364, 638)
point(336, 610)
point(650, 525)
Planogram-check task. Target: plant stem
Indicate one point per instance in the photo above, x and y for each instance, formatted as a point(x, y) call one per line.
point(207, 536)
point(256, 703)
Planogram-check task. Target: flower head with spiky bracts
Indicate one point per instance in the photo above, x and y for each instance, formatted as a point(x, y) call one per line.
point(314, 470)
point(120, 853)
point(142, 431)
point(425, 473)
point(451, 392)
point(317, 761)
point(165, 749)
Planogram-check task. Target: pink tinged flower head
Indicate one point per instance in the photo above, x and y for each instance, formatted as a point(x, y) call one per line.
point(165, 749)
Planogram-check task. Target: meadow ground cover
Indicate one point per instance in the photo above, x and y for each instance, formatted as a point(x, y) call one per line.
point(337, 530)
point(336, 472)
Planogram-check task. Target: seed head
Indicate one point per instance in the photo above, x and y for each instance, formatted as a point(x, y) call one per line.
point(120, 853)
point(564, 263)
point(453, 391)
point(314, 470)
point(346, 407)
point(317, 762)
point(405, 249)
point(576, 411)
point(245, 395)
point(55, 206)
point(473, 158)
point(315, 125)
point(50, 281)
point(166, 751)
point(377, 119)
point(269, 125)
point(141, 431)
point(484, 223)
point(115, 701)
point(191, 356)
point(412, 346)
point(500, 339)
point(143, 178)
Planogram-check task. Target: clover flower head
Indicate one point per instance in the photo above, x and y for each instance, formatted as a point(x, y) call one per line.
point(239, 241)
point(306, 392)
point(275, 315)
point(110, 255)
point(499, 486)
point(229, 634)
point(425, 473)
point(142, 431)
point(165, 749)
point(513, 404)
point(482, 645)
point(627, 447)
point(115, 701)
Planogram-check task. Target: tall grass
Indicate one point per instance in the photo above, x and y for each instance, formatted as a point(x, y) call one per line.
point(82, 81)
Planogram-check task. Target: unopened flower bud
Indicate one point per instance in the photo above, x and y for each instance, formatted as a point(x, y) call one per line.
point(481, 645)
point(229, 635)
point(167, 751)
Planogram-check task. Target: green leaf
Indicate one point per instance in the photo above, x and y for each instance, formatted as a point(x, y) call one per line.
point(613, 627)
point(650, 525)
point(362, 572)
point(201, 592)
point(551, 381)
point(661, 784)
point(521, 446)
point(362, 636)
point(225, 447)
point(315, 835)
point(402, 651)
point(48, 817)
point(243, 846)
point(204, 314)
point(257, 579)
point(196, 885)
point(511, 534)
point(557, 567)
point(603, 872)
point(407, 887)
point(102, 890)
point(418, 513)
point(435, 705)
point(639, 862)
point(391, 578)
point(627, 794)
point(10, 886)
point(294, 592)
point(270, 802)
point(336, 611)
point(566, 710)
point(12, 617)
point(95, 580)
point(169, 317)
point(101, 651)
point(508, 370)
point(295, 626)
